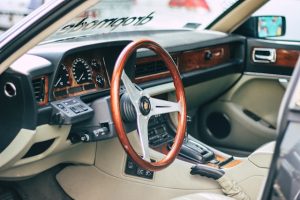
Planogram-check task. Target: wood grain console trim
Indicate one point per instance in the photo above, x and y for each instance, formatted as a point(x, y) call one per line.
point(233, 163)
point(164, 150)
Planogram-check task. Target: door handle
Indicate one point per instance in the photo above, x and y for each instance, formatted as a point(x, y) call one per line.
point(264, 55)
point(283, 82)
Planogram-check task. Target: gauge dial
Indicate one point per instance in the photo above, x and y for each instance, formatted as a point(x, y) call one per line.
point(81, 71)
point(100, 81)
point(62, 79)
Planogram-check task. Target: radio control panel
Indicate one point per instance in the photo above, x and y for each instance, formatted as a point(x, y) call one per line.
point(159, 132)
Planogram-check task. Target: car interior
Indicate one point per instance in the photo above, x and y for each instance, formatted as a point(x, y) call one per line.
point(73, 112)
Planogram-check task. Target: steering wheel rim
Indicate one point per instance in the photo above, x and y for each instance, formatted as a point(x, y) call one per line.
point(154, 106)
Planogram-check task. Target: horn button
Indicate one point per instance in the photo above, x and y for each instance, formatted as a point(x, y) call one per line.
point(145, 105)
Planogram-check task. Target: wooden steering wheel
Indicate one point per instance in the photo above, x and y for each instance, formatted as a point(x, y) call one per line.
point(146, 106)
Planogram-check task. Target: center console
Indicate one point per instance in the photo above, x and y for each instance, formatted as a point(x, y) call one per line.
point(161, 135)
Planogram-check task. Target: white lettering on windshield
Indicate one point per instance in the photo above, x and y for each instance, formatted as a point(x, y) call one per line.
point(86, 24)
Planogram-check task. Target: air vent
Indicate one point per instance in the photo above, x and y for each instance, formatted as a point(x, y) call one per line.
point(151, 68)
point(39, 89)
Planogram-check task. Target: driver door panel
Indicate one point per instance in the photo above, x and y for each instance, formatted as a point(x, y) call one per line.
point(246, 116)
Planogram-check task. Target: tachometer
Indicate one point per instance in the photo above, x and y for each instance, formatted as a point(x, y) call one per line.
point(62, 79)
point(81, 71)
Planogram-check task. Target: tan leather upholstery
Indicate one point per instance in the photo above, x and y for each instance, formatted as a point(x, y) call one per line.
point(203, 196)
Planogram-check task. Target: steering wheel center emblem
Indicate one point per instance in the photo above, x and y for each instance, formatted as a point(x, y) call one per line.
point(145, 105)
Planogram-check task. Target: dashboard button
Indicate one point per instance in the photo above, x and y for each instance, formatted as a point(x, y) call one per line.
point(60, 106)
point(79, 108)
point(70, 102)
point(130, 165)
point(140, 172)
point(75, 110)
point(83, 108)
point(149, 174)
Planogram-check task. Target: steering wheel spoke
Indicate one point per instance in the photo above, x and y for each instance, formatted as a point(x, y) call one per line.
point(133, 92)
point(159, 106)
point(142, 123)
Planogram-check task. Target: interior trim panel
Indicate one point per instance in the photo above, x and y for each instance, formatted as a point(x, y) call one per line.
point(152, 68)
point(284, 58)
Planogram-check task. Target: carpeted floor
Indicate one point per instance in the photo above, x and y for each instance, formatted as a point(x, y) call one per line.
point(41, 187)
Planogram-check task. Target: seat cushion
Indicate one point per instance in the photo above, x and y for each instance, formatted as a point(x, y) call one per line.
point(203, 196)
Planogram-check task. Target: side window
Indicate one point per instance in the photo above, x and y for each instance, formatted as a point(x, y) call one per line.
point(12, 12)
point(290, 10)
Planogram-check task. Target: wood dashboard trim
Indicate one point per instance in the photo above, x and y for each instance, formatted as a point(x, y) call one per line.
point(188, 61)
point(204, 58)
point(152, 77)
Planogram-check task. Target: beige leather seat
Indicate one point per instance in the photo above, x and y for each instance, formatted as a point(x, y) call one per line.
point(203, 196)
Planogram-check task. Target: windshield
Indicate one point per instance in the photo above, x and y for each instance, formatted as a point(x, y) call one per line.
point(137, 15)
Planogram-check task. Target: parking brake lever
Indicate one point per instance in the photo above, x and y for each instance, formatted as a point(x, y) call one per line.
point(207, 171)
point(229, 187)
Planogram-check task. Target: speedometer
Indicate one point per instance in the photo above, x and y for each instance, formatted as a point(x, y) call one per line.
point(81, 71)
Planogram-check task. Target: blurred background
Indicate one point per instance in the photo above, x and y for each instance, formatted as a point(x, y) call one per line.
point(198, 13)
point(13, 11)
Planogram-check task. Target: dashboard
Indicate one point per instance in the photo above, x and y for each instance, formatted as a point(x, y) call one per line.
point(87, 69)
point(78, 74)
point(68, 82)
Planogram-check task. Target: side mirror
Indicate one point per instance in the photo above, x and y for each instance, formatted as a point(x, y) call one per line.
point(263, 27)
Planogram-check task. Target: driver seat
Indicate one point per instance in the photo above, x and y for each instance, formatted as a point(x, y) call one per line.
point(203, 196)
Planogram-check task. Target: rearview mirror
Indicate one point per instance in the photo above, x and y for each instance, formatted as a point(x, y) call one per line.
point(263, 27)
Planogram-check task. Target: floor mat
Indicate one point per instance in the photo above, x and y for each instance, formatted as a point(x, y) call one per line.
point(8, 193)
point(43, 186)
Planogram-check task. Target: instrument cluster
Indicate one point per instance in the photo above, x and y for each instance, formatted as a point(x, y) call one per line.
point(81, 73)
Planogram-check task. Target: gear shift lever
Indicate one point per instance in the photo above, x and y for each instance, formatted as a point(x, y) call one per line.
point(192, 150)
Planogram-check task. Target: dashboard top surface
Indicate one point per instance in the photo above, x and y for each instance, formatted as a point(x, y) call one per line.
point(168, 39)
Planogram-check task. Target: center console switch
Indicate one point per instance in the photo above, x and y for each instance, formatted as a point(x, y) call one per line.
point(133, 169)
point(70, 111)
